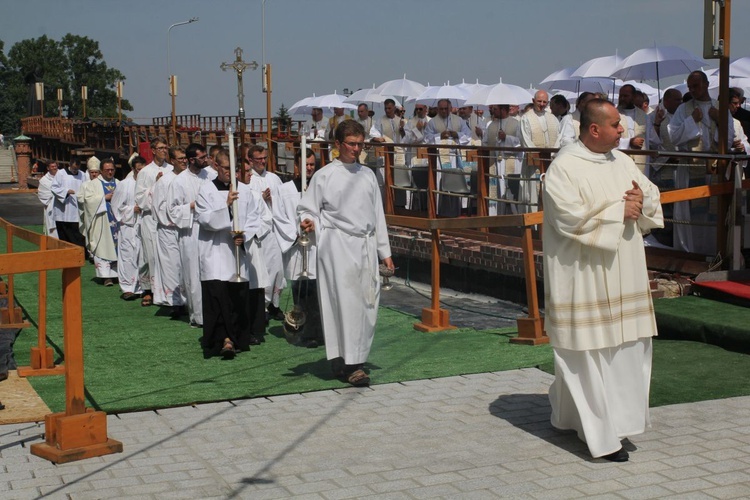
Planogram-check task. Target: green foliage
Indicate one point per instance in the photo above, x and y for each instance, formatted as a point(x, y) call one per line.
point(68, 64)
point(282, 117)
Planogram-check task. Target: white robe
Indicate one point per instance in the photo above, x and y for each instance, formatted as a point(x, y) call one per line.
point(66, 205)
point(286, 229)
point(182, 192)
point(44, 193)
point(271, 249)
point(598, 307)
point(170, 271)
point(129, 252)
point(215, 242)
point(149, 273)
point(344, 202)
point(97, 229)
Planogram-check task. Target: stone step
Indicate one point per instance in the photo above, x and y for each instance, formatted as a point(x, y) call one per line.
point(7, 165)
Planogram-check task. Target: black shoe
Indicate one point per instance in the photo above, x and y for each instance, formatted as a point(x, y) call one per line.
point(275, 313)
point(253, 340)
point(619, 456)
point(177, 312)
point(193, 324)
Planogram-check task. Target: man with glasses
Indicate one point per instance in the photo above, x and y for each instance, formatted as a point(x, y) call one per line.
point(168, 251)
point(183, 191)
point(267, 185)
point(344, 208)
point(99, 223)
point(143, 199)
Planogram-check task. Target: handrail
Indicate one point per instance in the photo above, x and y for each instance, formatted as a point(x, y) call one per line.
point(77, 432)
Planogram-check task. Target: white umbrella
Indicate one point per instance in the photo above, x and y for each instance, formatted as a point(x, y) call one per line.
point(432, 95)
point(500, 93)
point(330, 101)
point(738, 69)
point(654, 63)
point(598, 67)
point(401, 87)
point(367, 95)
point(301, 107)
point(558, 80)
point(469, 88)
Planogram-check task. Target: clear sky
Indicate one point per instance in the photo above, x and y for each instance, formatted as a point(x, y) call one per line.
point(319, 46)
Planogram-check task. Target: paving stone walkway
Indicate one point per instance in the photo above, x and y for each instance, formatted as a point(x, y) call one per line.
point(467, 437)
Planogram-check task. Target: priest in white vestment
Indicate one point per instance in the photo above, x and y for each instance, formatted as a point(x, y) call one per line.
point(44, 193)
point(181, 210)
point(129, 253)
point(637, 127)
point(598, 309)
point(502, 131)
point(286, 230)
point(149, 272)
point(694, 127)
point(266, 184)
point(99, 223)
point(65, 188)
point(344, 208)
point(170, 293)
point(539, 129)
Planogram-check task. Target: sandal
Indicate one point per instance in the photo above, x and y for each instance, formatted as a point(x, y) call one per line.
point(228, 350)
point(358, 378)
point(147, 300)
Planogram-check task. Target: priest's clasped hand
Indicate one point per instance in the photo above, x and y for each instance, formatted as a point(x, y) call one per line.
point(633, 202)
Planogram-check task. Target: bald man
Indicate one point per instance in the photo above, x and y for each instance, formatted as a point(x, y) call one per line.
point(599, 314)
point(539, 129)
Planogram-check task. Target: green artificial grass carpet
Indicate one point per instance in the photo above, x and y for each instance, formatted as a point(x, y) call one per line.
point(138, 358)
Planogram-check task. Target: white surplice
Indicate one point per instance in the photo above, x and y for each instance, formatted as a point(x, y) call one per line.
point(215, 241)
point(182, 192)
point(149, 273)
point(597, 297)
point(129, 253)
point(44, 193)
point(268, 243)
point(286, 229)
point(66, 205)
point(344, 202)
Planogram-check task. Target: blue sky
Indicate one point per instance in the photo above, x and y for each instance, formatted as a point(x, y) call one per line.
point(318, 46)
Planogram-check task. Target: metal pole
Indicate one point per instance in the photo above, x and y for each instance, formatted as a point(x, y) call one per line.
point(171, 76)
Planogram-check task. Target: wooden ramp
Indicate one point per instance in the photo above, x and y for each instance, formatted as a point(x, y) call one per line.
point(22, 403)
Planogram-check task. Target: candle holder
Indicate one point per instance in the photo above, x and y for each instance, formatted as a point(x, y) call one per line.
point(237, 277)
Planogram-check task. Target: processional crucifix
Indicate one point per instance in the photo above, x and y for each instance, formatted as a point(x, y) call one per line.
point(240, 66)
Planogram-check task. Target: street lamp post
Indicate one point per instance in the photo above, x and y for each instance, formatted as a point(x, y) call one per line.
point(173, 79)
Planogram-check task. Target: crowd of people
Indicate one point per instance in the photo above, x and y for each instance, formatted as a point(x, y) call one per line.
point(176, 232)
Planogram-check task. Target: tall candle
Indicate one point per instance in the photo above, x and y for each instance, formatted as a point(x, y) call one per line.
point(233, 178)
point(303, 161)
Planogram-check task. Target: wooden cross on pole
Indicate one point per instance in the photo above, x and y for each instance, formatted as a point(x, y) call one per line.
point(239, 66)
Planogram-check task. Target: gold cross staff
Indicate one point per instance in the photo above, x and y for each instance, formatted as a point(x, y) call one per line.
point(240, 66)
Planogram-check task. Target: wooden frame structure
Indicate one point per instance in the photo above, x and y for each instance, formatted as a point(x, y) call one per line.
point(78, 432)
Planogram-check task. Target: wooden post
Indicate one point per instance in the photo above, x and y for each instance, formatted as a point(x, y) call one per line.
point(724, 201)
point(76, 433)
point(42, 357)
point(531, 329)
point(388, 166)
point(482, 171)
point(435, 319)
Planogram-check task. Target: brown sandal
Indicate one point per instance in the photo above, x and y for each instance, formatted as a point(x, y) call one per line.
point(228, 351)
point(146, 300)
point(358, 378)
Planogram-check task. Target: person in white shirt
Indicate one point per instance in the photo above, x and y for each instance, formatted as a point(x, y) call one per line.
point(44, 193)
point(65, 188)
point(539, 129)
point(316, 126)
point(129, 254)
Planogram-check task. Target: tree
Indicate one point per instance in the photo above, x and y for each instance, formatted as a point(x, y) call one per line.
point(282, 118)
point(68, 64)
